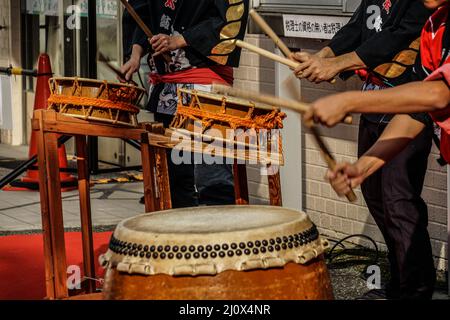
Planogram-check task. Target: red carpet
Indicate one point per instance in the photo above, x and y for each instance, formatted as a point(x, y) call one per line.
point(22, 263)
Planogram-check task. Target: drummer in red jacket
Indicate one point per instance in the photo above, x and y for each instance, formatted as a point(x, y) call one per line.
point(431, 96)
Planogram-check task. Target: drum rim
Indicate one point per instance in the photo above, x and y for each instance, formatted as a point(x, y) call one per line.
point(303, 218)
point(98, 81)
point(229, 99)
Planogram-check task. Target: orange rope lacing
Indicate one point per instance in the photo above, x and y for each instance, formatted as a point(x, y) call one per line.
point(272, 120)
point(91, 102)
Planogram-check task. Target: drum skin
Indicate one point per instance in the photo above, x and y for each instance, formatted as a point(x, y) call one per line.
point(293, 282)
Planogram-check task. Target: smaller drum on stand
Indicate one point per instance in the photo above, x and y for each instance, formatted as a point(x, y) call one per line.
point(252, 124)
point(218, 253)
point(94, 100)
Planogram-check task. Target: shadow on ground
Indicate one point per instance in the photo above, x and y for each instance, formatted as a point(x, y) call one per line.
point(348, 271)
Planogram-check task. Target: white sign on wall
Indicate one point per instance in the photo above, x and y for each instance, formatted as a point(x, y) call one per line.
point(47, 7)
point(313, 27)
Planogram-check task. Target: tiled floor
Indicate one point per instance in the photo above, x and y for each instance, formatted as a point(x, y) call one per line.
point(20, 211)
point(110, 204)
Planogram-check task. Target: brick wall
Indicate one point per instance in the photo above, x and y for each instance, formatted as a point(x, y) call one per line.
point(335, 217)
point(258, 74)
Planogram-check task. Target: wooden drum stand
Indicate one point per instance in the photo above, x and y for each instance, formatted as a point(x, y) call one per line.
point(154, 144)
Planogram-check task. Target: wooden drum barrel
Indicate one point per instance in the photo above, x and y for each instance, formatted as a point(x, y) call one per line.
point(217, 253)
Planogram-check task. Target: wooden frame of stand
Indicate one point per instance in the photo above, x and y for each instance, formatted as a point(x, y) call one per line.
point(154, 145)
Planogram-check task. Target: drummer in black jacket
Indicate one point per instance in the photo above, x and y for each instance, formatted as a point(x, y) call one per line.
point(197, 40)
point(376, 33)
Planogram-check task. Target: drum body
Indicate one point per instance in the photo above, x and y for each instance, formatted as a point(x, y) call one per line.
point(217, 253)
point(98, 101)
point(229, 118)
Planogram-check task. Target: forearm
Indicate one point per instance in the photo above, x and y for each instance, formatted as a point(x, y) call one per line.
point(326, 52)
point(347, 62)
point(180, 42)
point(397, 135)
point(413, 97)
point(137, 52)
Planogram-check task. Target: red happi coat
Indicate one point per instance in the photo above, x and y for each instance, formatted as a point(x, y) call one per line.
point(435, 61)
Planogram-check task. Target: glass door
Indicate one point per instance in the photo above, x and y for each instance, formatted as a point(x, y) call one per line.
point(60, 28)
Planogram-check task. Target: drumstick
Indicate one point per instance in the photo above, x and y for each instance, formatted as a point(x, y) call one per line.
point(142, 25)
point(269, 55)
point(272, 35)
point(269, 31)
point(292, 105)
point(328, 157)
point(102, 58)
point(297, 106)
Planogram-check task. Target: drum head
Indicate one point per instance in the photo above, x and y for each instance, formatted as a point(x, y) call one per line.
point(209, 240)
point(213, 220)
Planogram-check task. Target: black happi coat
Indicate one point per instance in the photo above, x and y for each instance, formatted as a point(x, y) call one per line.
point(380, 29)
point(208, 26)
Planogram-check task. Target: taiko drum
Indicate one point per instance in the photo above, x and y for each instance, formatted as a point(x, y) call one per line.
point(217, 253)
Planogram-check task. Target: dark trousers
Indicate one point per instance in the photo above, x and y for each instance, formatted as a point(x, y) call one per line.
point(393, 196)
point(194, 185)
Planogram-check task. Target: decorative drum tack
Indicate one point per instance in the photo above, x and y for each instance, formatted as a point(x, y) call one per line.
point(230, 253)
point(95, 100)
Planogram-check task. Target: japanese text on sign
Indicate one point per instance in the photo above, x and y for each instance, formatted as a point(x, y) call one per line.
point(315, 27)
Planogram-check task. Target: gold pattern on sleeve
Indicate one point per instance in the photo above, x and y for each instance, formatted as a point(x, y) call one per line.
point(219, 59)
point(224, 47)
point(229, 32)
point(235, 12)
point(400, 63)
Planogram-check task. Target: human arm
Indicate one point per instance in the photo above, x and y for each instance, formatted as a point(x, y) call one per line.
point(217, 28)
point(352, 53)
point(323, 66)
point(134, 63)
point(337, 56)
point(404, 27)
point(413, 97)
point(162, 43)
point(397, 135)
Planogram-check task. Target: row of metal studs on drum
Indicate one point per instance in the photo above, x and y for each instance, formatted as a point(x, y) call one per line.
point(155, 252)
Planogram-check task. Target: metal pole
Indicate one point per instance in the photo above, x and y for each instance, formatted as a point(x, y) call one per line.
point(10, 177)
point(92, 74)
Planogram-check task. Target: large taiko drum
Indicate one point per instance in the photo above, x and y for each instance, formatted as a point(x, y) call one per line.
point(94, 100)
point(217, 253)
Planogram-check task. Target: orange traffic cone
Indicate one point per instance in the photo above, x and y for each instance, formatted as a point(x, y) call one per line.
point(31, 180)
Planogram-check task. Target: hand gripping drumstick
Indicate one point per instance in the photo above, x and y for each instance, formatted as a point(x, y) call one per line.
point(292, 105)
point(272, 56)
point(269, 100)
point(272, 35)
point(142, 25)
point(106, 61)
